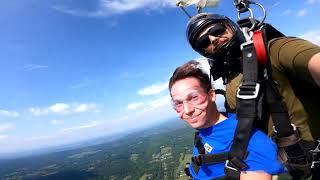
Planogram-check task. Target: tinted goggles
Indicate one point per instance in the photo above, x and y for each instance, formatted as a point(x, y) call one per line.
point(204, 41)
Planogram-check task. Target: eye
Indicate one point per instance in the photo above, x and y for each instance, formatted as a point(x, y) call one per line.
point(202, 42)
point(194, 98)
point(217, 30)
point(177, 103)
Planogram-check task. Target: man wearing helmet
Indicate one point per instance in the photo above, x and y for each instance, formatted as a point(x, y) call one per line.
point(295, 65)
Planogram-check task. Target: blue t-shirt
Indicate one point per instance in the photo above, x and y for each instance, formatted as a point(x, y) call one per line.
point(218, 138)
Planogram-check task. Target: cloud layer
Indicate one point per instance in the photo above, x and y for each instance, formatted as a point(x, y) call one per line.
point(11, 114)
point(121, 6)
point(62, 109)
point(153, 89)
point(313, 36)
point(110, 7)
point(6, 127)
point(32, 67)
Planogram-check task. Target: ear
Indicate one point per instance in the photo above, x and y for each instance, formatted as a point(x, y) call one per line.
point(212, 95)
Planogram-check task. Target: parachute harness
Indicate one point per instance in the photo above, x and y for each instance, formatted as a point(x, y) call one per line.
point(300, 157)
point(258, 85)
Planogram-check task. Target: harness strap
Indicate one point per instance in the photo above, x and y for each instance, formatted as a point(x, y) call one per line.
point(220, 91)
point(246, 113)
point(293, 152)
point(205, 159)
point(289, 140)
point(278, 111)
point(198, 143)
point(260, 48)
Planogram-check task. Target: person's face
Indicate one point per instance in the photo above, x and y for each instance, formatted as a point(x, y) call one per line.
point(213, 37)
point(192, 103)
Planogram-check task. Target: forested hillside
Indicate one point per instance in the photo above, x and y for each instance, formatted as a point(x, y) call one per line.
point(157, 153)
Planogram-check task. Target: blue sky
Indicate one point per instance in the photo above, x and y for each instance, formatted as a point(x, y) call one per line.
point(73, 70)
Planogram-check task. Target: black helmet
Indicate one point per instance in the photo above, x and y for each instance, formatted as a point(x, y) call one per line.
point(227, 56)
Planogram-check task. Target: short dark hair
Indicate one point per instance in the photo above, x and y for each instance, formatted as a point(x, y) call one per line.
point(191, 69)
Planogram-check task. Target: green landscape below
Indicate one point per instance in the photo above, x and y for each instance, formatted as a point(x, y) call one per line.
point(157, 153)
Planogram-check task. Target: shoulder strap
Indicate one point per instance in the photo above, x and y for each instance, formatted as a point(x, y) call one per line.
point(249, 100)
point(198, 143)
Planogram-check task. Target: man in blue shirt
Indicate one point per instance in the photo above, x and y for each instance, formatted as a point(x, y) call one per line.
point(194, 101)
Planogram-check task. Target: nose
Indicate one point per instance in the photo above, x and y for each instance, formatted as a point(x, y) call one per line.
point(188, 109)
point(213, 44)
point(213, 39)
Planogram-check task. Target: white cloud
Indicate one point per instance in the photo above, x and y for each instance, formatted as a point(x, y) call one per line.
point(286, 12)
point(62, 108)
point(311, 2)
point(301, 13)
point(135, 105)
point(275, 4)
point(36, 138)
point(59, 108)
point(122, 6)
point(154, 112)
point(74, 12)
point(109, 7)
point(6, 113)
point(85, 82)
point(84, 107)
point(56, 122)
point(3, 136)
point(162, 101)
point(313, 36)
point(153, 89)
point(77, 128)
point(37, 111)
point(150, 105)
point(31, 67)
point(6, 127)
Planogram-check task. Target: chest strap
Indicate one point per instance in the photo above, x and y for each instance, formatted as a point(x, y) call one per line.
point(206, 159)
point(203, 158)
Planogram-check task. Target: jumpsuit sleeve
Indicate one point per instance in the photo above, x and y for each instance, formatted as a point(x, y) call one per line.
point(291, 55)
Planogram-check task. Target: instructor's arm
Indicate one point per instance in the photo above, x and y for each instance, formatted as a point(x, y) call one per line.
point(314, 68)
point(254, 175)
